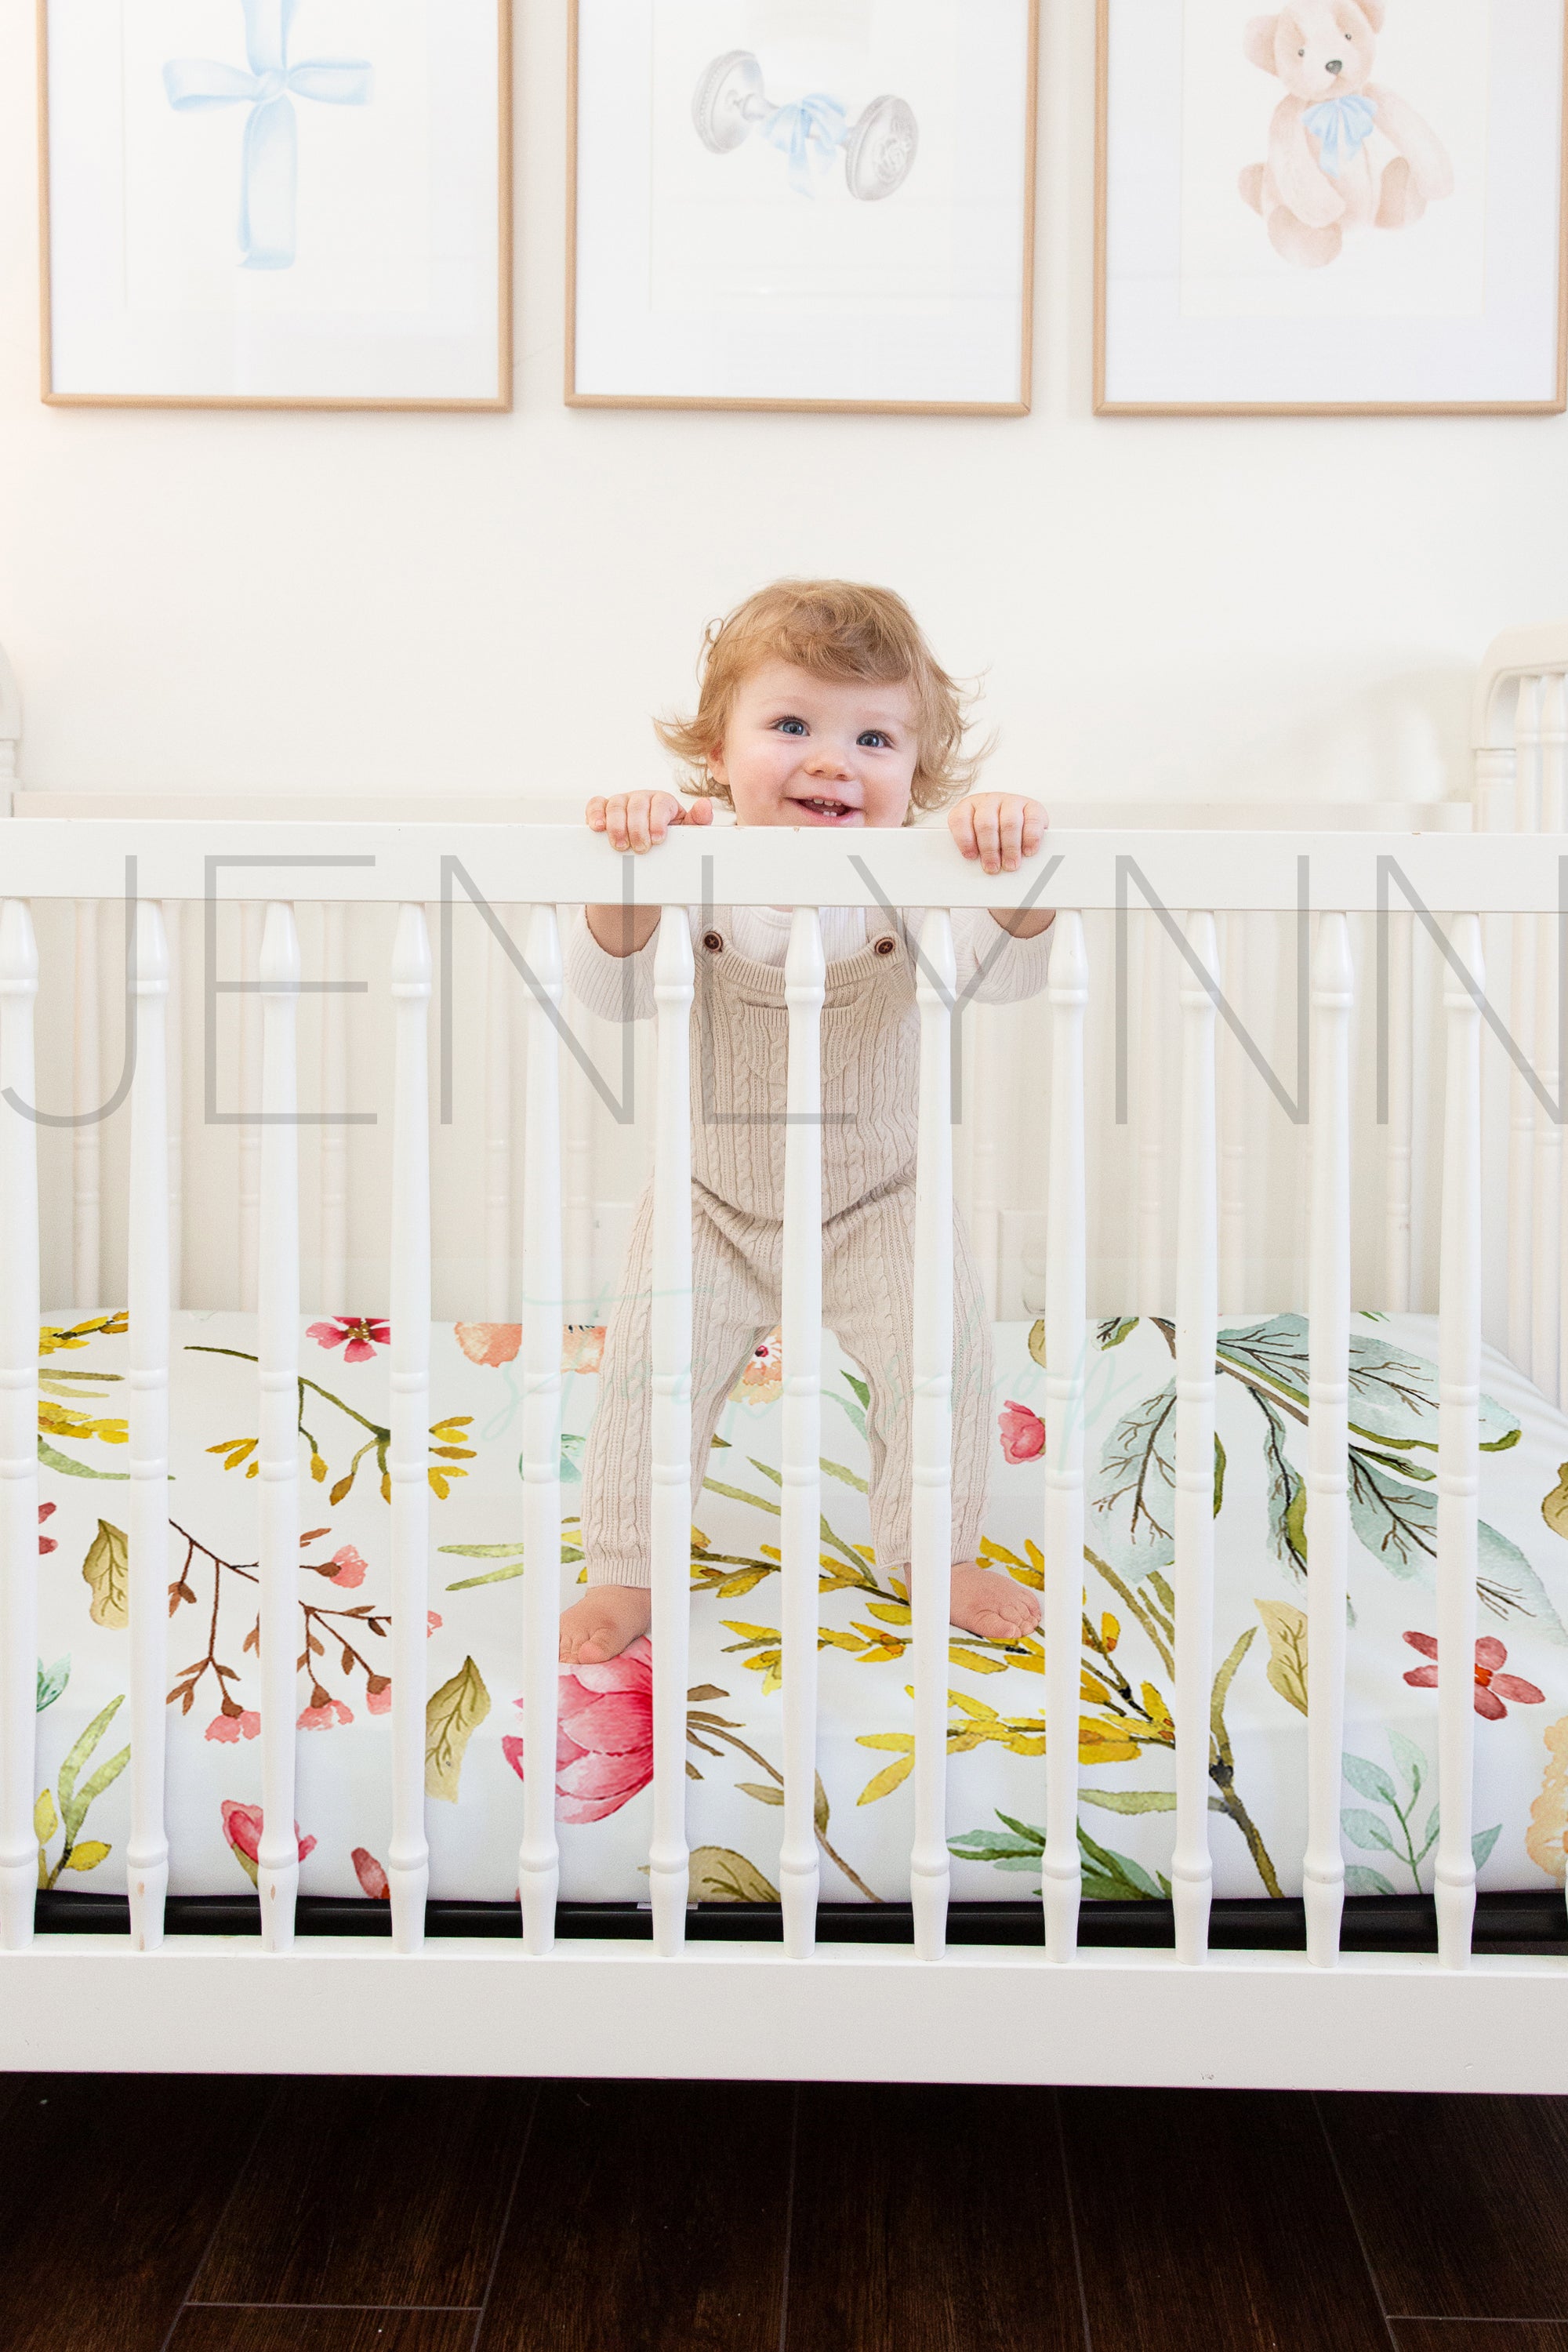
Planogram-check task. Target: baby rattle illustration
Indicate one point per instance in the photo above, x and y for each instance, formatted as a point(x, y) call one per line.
point(1322, 175)
point(878, 150)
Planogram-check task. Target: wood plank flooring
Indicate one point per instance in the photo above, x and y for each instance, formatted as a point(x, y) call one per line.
point(187, 2214)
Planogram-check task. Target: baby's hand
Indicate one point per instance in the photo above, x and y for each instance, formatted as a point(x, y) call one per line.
point(999, 828)
point(639, 820)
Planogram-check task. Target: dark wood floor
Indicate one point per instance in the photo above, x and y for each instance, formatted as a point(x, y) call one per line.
point(161, 2213)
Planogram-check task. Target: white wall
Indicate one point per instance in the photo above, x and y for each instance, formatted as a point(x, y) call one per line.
point(395, 603)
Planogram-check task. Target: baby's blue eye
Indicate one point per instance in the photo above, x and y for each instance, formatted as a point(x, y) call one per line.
point(792, 726)
point(875, 735)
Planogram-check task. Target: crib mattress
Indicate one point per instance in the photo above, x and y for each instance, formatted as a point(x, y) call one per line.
point(996, 1780)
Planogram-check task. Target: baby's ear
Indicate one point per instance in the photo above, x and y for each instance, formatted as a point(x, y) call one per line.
point(1257, 42)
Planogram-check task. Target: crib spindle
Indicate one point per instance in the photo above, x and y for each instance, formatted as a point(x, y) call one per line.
point(1546, 1240)
point(985, 1059)
point(1233, 1109)
point(1328, 1432)
point(1197, 1317)
point(174, 1093)
point(1150, 1064)
point(248, 1133)
point(577, 1174)
point(147, 1848)
point(1521, 1023)
point(538, 1863)
point(277, 1346)
point(332, 1142)
point(19, 1312)
point(498, 1126)
point(408, 1860)
point(930, 1525)
point(1066, 1314)
point(1398, 1161)
point(670, 1523)
point(87, 1094)
point(805, 976)
point(1458, 1442)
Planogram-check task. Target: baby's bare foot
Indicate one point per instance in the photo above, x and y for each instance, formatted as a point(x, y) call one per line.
point(607, 1619)
point(991, 1605)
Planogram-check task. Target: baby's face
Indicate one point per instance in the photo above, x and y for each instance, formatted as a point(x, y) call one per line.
point(806, 750)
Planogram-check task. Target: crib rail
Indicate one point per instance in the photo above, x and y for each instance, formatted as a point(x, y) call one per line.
point(1450, 882)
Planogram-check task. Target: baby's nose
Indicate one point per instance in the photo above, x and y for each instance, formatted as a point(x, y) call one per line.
point(1334, 65)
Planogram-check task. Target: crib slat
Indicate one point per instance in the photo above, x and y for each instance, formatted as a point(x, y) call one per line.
point(18, 1429)
point(332, 1142)
point(1066, 1314)
point(87, 1094)
point(1328, 1431)
point(1458, 1439)
point(277, 1489)
point(1232, 1107)
point(577, 1170)
point(985, 1057)
point(670, 1522)
point(175, 1092)
point(1197, 1317)
point(805, 976)
point(498, 1126)
point(1149, 1062)
point(931, 1526)
point(147, 1848)
point(1546, 1241)
point(1521, 1022)
point(248, 1133)
point(539, 1864)
point(1398, 1162)
point(408, 1860)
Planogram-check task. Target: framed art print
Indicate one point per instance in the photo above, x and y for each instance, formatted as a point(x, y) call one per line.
point(801, 204)
point(1342, 207)
point(276, 204)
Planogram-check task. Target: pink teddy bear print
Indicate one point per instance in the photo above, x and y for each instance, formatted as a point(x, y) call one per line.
point(1323, 173)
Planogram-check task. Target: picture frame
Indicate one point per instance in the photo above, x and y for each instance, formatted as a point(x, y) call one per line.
point(275, 204)
point(1281, 231)
point(722, 234)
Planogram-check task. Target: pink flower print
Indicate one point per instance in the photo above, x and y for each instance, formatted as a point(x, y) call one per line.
point(349, 1568)
point(582, 1347)
point(604, 1741)
point(359, 1336)
point(46, 1511)
point(432, 1624)
point(763, 1378)
point(378, 1693)
point(1491, 1687)
point(489, 1343)
point(242, 1828)
point(1023, 1432)
point(235, 1723)
point(324, 1712)
point(370, 1876)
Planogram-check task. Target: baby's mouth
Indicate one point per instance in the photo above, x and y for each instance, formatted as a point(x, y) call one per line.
point(830, 812)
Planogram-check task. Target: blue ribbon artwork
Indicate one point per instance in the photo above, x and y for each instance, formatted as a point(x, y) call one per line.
point(269, 175)
point(1342, 126)
point(811, 132)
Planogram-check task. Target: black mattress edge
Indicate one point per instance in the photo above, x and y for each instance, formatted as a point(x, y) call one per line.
point(1534, 1920)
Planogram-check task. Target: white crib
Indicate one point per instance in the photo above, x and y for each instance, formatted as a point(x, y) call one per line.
point(1411, 898)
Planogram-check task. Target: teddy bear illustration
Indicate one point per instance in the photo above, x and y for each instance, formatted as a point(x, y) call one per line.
point(1323, 173)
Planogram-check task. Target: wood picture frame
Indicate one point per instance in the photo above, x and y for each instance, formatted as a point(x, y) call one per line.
point(1013, 399)
point(1451, 381)
point(478, 363)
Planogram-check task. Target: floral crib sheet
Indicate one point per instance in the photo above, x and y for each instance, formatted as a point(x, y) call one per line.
point(995, 1782)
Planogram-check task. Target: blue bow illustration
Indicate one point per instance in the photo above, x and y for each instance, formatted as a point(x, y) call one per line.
point(1342, 126)
point(811, 132)
point(269, 158)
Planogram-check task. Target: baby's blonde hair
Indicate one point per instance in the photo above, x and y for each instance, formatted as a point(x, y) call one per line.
point(836, 629)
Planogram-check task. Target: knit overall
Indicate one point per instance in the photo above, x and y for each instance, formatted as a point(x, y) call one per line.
point(870, 1079)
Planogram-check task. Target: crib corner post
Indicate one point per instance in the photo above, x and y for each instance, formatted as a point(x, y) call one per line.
point(148, 1295)
point(538, 1858)
point(1458, 1442)
point(1067, 1317)
point(19, 1312)
point(670, 1868)
point(409, 1857)
point(806, 979)
point(1197, 1318)
point(931, 1519)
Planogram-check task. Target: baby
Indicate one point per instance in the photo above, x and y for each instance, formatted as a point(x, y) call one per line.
point(821, 706)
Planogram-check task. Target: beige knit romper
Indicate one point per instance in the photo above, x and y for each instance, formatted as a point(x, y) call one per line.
point(870, 1076)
